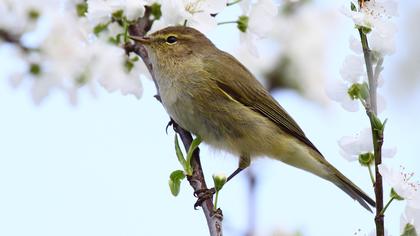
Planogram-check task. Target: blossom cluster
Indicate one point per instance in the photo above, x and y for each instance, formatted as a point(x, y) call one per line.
point(56, 51)
point(373, 20)
point(69, 44)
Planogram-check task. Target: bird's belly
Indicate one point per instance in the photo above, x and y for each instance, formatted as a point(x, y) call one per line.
point(236, 129)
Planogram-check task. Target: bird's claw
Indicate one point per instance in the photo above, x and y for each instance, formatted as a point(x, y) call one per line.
point(203, 195)
point(157, 96)
point(171, 122)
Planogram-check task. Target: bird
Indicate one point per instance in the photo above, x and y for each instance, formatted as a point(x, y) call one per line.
point(211, 94)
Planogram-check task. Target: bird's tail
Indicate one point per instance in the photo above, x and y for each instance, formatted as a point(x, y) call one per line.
point(351, 189)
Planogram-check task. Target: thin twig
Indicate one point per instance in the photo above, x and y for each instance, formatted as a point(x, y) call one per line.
point(377, 135)
point(197, 181)
point(369, 69)
point(13, 39)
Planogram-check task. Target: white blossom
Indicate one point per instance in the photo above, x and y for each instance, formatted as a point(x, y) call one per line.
point(99, 11)
point(337, 90)
point(132, 8)
point(382, 38)
point(352, 146)
point(371, 12)
point(20, 16)
point(355, 45)
point(63, 55)
point(261, 16)
point(303, 38)
point(376, 15)
point(401, 182)
point(353, 69)
point(196, 13)
point(108, 69)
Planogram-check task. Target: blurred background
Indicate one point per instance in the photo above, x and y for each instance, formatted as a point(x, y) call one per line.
point(101, 167)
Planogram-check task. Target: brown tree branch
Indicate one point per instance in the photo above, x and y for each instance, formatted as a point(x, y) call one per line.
point(197, 180)
point(377, 135)
point(13, 39)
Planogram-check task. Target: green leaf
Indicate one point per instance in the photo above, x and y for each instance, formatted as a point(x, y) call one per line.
point(156, 10)
point(353, 7)
point(193, 146)
point(135, 58)
point(377, 123)
point(114, 40)
point(366, 159)
point(175, 181)
point(395, 195)
point(82, 9)
point(99, 28)
point(409, 230)
point(243, 23)
point(128, 65)
point(179, 154)
point(118, 15)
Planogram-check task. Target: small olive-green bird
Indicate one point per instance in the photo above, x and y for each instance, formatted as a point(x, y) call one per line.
point(211, 94)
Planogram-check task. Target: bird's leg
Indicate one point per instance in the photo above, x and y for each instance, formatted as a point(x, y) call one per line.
point(244, 162)
point(204, 194)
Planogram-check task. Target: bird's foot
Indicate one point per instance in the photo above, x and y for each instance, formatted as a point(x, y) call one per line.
point(157, 96)
point(171, 122)
point(203, 195)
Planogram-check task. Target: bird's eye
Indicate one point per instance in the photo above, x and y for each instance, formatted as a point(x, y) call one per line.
point(171, 39)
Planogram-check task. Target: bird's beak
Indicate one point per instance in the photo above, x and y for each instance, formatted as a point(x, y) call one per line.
point(142, 40)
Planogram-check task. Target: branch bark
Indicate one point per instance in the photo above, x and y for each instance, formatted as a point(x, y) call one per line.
point(197, 180)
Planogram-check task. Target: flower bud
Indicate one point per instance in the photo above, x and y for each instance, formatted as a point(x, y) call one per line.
point(366, 159)
point(219, 180)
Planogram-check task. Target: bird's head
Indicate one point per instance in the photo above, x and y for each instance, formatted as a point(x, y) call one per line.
point(175, 42)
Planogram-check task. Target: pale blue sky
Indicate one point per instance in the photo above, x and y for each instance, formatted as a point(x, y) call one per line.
point(101, 168)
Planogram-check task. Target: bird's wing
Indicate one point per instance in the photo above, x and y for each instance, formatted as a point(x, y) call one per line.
point(245, 89)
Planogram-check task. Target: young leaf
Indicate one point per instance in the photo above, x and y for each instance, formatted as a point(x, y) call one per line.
point(179, 153)
point(175, 181)
point(353, 7)
point(82, 9)
point(99, 28)
point(156, 10)
point(194, 145)
point(377, 123)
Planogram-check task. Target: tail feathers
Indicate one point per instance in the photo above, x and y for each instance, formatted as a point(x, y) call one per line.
point(353, 191)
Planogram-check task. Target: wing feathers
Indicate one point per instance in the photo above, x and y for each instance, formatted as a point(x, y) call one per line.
point(248, 91)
